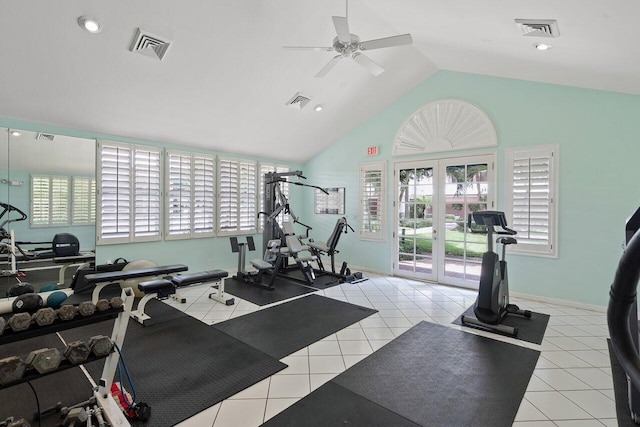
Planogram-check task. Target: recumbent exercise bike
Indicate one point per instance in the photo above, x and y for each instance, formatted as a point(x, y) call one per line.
point(492, 304)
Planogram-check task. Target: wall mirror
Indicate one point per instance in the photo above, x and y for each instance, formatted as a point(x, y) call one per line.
point(51, 178)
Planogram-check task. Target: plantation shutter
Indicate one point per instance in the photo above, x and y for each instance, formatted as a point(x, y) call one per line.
point(530, 201)
point(146, 164)
point(114, 179)
point(237, 196)
point(191, 192)
point(129, 193)
point(372, 182)
point(204, 169)
point(49, 201)
point(179, 195)
point(83, 196)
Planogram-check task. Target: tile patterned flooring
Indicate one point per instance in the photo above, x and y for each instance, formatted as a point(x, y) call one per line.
point(571, 385)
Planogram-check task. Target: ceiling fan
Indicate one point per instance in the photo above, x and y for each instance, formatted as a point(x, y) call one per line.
point(349, 46)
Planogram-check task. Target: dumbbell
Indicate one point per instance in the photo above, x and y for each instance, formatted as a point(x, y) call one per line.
point(103, 304)
point(11, 370)
point(67, 312)
point(44, 316)
point(44, 360)
point(116, 302)
point(19, 322)
point(100, 345)
point(86, 308)
point(77, 352)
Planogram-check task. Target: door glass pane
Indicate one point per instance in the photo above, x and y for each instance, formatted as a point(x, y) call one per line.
point(415, 220)
point(465, 192)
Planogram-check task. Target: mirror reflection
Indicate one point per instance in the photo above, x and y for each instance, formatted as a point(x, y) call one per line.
point(48, 199)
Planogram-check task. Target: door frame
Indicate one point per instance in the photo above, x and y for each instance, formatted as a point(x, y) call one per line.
point(439, 206)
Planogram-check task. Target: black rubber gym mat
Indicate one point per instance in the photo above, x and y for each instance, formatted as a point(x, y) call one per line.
point(322, 281)
point(283, 290)
point(291, 326)
point(68, 387)
point(333, 405)
point(181, 367)
point(439, 376)
point(620, 390)
point(531, 330)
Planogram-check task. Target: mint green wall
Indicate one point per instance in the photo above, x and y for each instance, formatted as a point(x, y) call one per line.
point(198, 254)
point(599, 137)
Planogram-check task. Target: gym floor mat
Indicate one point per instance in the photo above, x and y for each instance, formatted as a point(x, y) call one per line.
point(531, 330)
point(19, 401)
point(290, 326)
point(322, 281)
point(439, 376)
point(333, 405)
point(620, 390)
point(181, 367)
point(283, 289)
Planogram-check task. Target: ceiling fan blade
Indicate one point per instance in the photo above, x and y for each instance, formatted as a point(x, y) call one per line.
point(386, 42)
point(327, 49)
point(342, 28)
point(332, 63)
point(368, 63)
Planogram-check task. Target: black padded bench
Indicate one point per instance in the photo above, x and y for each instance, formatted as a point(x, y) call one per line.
point(103, 279)
point(168, 286)
point(81, 261)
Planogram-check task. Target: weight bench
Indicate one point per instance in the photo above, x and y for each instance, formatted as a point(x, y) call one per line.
point(80, 261)
point(103, 279)
point(168, 287)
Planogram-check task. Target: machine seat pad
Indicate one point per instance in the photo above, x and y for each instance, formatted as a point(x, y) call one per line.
point(319, 246)
point(306, 258)
point(199, 277)
point(261, 264)
point(155, 286)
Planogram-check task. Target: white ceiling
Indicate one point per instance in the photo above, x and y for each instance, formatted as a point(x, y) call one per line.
point(225, 79)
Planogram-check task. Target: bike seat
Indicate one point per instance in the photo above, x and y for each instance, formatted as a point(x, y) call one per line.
point(506, 240)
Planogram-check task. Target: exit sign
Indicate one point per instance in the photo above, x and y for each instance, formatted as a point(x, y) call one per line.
point(372, 150)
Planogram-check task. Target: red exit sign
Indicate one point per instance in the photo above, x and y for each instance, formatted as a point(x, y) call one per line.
point(372, 150)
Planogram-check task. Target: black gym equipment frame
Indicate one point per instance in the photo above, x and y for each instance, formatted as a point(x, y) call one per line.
point(622, 312)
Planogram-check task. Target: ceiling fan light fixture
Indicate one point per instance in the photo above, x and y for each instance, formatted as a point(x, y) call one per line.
point(542, 46)
point(89, 24)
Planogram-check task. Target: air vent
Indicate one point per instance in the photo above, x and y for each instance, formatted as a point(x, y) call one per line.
point(538, 27)
point(149, 44)
point(298, 101)
point(45, 137)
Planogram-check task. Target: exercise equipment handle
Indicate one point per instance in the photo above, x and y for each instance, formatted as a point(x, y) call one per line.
point(7, 209)
point(622, 297)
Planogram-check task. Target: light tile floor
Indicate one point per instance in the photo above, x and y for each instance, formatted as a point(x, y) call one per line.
point(571, 385)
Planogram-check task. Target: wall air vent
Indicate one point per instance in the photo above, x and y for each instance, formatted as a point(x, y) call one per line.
point(45, 137)
point(298, 101)
point(149, 44)
point(538, 27)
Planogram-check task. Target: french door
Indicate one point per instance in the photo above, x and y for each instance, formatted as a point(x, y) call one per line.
point(433, 199)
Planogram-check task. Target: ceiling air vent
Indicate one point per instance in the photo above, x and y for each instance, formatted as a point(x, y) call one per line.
point(538, 27)
point(45, 137)
point(298, 101)
point(149, 44)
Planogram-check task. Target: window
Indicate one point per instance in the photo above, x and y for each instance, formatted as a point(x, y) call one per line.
point(530, 198)
point(237, 196)
point(129, 182)
point(49, 201)
point(83, 196)
point(190, 195)
point(372, 201)
point(284, 187)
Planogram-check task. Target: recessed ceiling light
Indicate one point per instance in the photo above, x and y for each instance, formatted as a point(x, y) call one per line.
point(542, 46)
point(319, 107)
point(15, 133)
point(89, 24)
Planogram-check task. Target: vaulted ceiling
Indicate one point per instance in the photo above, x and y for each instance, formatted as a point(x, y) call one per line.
point(225, 79)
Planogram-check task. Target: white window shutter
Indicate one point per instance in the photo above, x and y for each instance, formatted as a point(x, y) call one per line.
point(179, 195)
point(147, 194)
point(530, 198)
point(49, 201)
point(204, 169)
point(83, 196)
point(237, 196)
point(372, 201)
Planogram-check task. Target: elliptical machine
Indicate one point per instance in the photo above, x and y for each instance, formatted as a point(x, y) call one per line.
point(492, 304)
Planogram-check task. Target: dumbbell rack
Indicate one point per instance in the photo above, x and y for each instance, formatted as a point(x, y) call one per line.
point(111, 411)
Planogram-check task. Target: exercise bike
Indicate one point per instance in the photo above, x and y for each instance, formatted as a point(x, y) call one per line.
point(492, 304)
